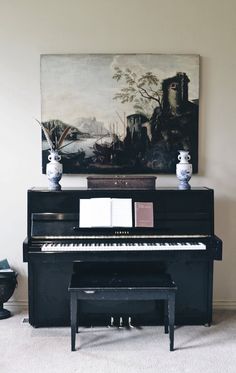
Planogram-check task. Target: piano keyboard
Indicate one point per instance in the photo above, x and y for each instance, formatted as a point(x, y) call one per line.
point(123, 246)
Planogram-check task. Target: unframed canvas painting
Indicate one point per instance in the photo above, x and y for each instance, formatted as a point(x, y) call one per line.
point(125, 113)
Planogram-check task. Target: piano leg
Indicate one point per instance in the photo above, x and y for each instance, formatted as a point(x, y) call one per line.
point(74, 326)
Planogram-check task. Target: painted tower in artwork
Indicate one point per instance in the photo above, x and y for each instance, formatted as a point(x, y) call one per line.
point(175, 93)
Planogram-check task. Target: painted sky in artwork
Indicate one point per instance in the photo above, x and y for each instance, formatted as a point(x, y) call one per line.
point(75, 86)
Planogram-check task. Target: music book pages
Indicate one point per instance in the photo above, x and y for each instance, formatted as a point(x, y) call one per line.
point(143, 214)
point(84, 213)
point(105, 212)
point(121, 212)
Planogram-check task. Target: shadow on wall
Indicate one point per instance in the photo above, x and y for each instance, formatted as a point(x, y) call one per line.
point(225, 216)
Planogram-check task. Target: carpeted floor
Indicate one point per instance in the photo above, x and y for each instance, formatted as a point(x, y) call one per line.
point(199, 349)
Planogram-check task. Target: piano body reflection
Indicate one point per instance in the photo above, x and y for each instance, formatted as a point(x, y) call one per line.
point(181, 243)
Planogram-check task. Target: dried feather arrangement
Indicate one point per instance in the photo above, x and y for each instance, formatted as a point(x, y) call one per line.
point(55, 142)
point(46, 134)
point(62, 137)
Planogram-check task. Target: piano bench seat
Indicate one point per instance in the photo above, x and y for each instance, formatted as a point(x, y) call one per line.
point(123, 286)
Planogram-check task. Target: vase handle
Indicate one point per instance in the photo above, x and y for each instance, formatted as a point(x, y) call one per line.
point(187, 157)
point(55, 157)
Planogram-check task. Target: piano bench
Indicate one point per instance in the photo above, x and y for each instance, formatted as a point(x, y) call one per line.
point(121, 287)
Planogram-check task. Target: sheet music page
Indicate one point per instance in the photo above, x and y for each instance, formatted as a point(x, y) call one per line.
point(100, 212)
point(84, 213)
point(95, 212)
point(121, 215)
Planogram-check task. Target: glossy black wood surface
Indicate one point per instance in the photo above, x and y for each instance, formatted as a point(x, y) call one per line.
point(176, 213)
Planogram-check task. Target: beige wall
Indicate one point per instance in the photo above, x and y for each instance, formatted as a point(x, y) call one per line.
point(31, 27)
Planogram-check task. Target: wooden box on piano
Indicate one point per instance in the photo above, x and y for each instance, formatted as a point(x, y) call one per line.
point(121, 182)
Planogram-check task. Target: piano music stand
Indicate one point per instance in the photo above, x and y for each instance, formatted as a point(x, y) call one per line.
point(122, 288)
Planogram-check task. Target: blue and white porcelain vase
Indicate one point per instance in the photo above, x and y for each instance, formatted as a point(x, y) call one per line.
point(54, 170)
point(184, 169)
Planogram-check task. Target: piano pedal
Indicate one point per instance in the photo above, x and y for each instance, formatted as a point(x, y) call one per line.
point(130, 326)
point(123, 322)
point(115, 322)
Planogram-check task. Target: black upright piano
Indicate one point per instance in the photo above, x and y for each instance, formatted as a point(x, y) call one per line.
point(181, 242)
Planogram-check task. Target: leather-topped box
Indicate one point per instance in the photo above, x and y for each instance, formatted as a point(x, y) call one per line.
point(121, 182)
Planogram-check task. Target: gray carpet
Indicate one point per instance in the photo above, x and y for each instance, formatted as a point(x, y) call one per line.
point(111, 350)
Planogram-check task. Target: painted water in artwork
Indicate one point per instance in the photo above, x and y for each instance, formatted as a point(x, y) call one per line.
point(120, 113)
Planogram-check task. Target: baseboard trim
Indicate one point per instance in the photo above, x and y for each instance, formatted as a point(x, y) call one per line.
point(217, 304)
point(17, 305)
point(224, 304)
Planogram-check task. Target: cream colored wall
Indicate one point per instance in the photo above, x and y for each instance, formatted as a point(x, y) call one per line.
point(31, 27)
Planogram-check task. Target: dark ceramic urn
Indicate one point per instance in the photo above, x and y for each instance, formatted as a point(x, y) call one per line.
point(8, 284)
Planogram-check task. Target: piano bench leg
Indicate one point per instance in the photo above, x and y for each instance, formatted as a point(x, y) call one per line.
point(73, 313)
point(166, 318)
point(171, 312)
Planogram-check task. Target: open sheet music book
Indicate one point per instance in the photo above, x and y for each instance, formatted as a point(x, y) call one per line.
point(105, 212)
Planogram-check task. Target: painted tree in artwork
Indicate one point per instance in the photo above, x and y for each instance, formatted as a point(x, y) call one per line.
point(143, 90)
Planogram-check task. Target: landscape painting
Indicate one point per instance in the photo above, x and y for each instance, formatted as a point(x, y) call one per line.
point(120, 113)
